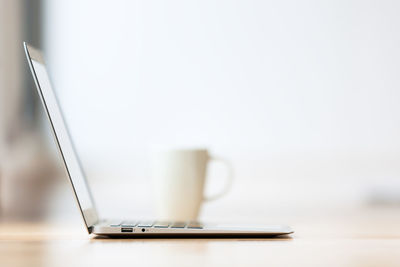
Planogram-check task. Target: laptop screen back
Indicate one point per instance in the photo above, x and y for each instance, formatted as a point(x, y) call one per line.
point(62, 136)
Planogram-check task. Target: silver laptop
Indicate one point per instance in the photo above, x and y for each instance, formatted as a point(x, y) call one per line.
point(103, 226)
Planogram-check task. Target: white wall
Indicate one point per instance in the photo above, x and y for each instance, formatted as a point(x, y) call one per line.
point(303, 90)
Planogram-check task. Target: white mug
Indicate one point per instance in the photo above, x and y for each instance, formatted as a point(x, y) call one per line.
point(179, 177)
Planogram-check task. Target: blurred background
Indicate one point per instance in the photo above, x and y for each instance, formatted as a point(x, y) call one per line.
point(301, 96)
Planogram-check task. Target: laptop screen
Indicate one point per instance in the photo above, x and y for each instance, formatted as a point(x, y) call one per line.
point(62, 137)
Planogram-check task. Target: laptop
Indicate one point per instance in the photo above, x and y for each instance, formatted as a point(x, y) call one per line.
point(120, 228)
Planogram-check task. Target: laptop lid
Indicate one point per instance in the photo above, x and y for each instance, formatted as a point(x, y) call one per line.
point(62, 136)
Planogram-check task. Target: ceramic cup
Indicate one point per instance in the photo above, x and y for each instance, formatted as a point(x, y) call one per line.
point(179, 177)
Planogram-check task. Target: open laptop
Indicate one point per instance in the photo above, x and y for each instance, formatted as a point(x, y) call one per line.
point(102, 226)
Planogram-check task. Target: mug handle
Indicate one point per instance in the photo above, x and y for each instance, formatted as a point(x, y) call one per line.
point(229, 181)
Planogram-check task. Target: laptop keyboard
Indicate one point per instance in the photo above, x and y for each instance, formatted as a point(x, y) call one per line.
point(157, 224)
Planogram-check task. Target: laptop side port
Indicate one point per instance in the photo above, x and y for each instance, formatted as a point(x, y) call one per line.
point(126, 230)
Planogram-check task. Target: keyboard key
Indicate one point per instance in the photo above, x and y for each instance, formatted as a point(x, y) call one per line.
point(178, 225)
point(145, 224)
point(128, 223)
point(161, 224)
point(115, 223)
point(194, 225)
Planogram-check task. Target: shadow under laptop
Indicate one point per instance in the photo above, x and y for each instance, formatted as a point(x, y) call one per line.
point(201, 237)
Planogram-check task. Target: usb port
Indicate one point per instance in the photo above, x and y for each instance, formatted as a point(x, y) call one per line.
point(126, 230)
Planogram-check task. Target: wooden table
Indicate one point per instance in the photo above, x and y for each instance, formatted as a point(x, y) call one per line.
point(362, 237)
